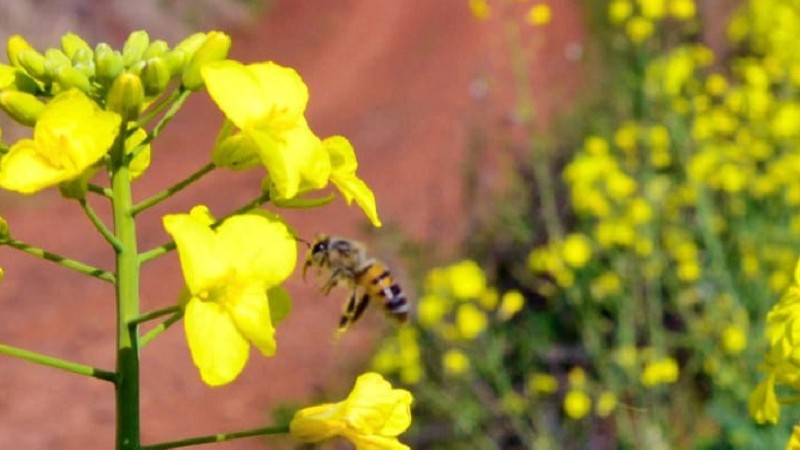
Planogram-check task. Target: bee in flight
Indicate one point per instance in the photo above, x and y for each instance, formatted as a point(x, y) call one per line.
point(347, 262)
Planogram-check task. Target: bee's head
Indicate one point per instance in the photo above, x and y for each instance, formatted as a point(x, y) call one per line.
point(317, 253)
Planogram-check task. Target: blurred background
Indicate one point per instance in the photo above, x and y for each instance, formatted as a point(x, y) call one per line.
point(593, 205)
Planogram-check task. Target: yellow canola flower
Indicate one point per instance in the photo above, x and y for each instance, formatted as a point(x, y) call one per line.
point(467, 280)
point(538, 14)
point(794, 439)
point(480, 9)
point(267, 102)
point(606, 403)
point(343, 176)
point(542, 383)
point(734, 339)
point(455, 362)
point(228, 271)
point(660, 371)
point(371, 417)
point(577, 404)
point(470, 321)
point(70, 136)
point(511, 303)
point(577, 250)
point(639, 29)
point(763, 403)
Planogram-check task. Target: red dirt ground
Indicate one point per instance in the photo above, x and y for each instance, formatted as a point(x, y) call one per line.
point(396, 78)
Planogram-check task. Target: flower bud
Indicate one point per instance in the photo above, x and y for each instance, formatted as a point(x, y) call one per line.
point(134, 47)
point(156, 48)
point(155, 76)
point(175, 60)
point(83, 60)
point(22, 107)
point(107, 63)
point(190, 45)
point(33, 63)
point(126, 96)
point(71, 43)
point(16, 79)
point(70, 77)
point(214, 48)
point(14, 46)
point(54, 60)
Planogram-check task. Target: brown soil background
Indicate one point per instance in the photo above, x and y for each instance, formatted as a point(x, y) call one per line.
point(407, 82)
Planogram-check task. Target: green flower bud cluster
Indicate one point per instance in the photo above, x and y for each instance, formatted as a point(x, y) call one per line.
point(121, 80)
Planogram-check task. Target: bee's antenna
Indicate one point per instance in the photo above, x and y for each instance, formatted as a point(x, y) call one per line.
point(299, 239)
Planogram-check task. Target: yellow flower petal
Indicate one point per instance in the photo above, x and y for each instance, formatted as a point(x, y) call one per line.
point(251, 314)
point(264, 95)
point(218, 350)
point(201, 263)
point(343, 176)
point(260, 248)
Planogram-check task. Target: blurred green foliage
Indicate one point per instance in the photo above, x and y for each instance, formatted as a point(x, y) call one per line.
point(632, 314)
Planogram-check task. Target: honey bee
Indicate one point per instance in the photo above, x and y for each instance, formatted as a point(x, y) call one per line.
point(347, 262)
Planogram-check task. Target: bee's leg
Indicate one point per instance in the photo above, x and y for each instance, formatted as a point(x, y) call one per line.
point(348, 313)
point(360, 307)
point(332, 281)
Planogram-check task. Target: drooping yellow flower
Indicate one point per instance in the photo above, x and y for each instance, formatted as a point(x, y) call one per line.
point(228, 271)
point(763, 404)
point(70, 136)
point(267, 102)
point(371, 417)
point(343, 176)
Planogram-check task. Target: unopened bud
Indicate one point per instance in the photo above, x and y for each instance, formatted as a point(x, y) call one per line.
point(126, 96)
point(237, 152)
point(23, 107)
point(175, 60)
point(14, 46)
point(156, 48)
point(190, 45)
point(71, 43)
point(54, 60)
point(134, 47)
point(32, 62)
point(107, 63)
point(70, 77)
point(214, 48)
point(155, 76)
point(83, 60)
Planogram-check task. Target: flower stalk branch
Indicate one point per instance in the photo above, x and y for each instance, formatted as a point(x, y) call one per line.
point(57, 363)
point(61, 260)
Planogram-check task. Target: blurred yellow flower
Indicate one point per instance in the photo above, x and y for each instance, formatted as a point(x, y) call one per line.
point(619, 10)
point(577, 250)
point(511, 303)
point(660, 371)
point(606, 403)
point(480, 9)
point(682, 9)
point(431, 309)
point(734, 339)
point(794, 439)
point(577, 404)
point(542, 383)
point(538, 14)
point(467, 280)
point(763, 404)
point(371, 417)
point(639, 29)
point(455, 362)
point(653, 9)
point(577, 377)
point(470, 321)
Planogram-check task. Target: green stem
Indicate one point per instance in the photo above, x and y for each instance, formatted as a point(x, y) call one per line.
point(280, 429)
point(50, 361)
point(176, 101)
point(139, 207)
point(160, 328)
point(155, 110)
point(99, 225)
point(61, 260)
point(127, 257)
point(105, 192)
point(155, 314)
point(169, 246)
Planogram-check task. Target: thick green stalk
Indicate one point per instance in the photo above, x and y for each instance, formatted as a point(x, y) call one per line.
point(127, 387)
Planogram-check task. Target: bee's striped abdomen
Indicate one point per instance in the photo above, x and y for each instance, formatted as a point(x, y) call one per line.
point(378, 282)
